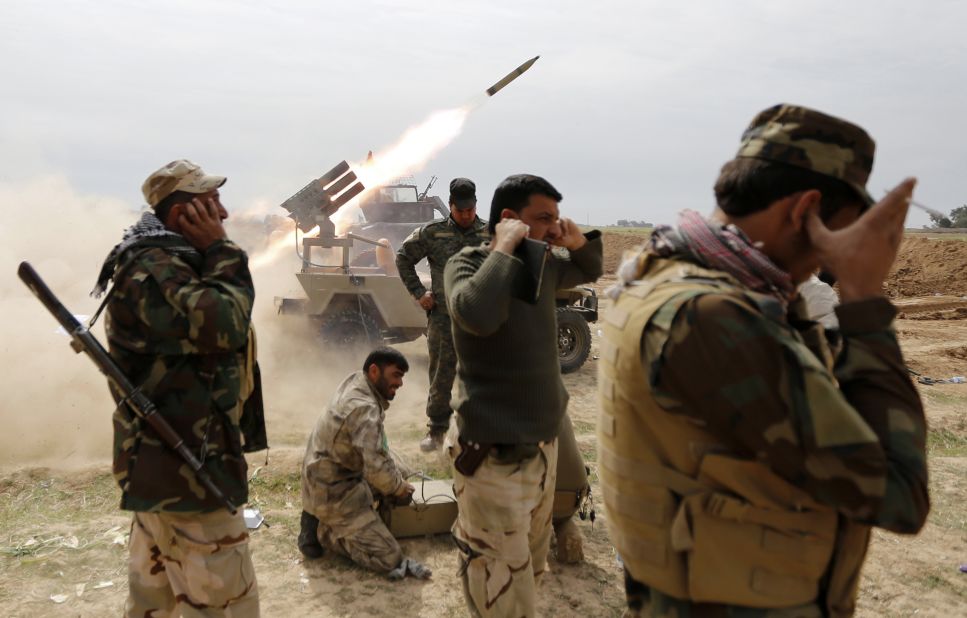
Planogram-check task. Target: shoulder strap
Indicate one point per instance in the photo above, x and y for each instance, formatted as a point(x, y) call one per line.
point(123, 270)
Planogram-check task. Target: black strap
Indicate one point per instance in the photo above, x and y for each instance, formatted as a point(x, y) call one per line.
point(107, 296)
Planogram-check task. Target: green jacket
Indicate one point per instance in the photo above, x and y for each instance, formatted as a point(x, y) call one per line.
point(437, 242)
point(177, 325)
point(509, 388)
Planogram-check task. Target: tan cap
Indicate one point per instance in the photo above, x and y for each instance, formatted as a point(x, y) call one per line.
point(180, 175)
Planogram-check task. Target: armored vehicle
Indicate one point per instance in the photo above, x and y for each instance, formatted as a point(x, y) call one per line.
point(354, 294)
point(393, 212)
point(350, 304)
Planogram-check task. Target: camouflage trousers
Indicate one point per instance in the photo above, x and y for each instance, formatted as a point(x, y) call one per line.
point(503, 529)
point(190, 564)
point(370, 544)
point(443, 370)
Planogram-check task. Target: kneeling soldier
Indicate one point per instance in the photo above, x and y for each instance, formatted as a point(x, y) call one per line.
point(348, 463)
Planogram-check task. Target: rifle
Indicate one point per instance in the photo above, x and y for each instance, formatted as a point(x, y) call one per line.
point(83, 341)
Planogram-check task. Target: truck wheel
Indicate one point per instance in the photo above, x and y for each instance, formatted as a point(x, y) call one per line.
point(349, 328)
point(573, 339)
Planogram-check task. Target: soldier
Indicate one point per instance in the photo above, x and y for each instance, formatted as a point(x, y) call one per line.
point(742, 466)
point(510, 398)
point(348, 464)
point(178, 325)
point(436, 242)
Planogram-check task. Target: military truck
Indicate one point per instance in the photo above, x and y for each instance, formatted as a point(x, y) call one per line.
point(350, 304)
point(577, 308)
point(357, 297)
point(392, 212)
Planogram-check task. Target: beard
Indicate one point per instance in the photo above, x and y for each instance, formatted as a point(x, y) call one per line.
point(382, 386)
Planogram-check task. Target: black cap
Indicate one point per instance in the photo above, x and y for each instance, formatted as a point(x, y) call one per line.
point(463, 193)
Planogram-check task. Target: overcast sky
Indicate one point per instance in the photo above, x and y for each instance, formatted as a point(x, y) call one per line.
point(630, 111)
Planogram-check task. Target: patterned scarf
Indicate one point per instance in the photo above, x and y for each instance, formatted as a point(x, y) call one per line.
point(714, 246)
point(149, 231)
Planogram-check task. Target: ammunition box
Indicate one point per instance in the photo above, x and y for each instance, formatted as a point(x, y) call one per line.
point(433, 511)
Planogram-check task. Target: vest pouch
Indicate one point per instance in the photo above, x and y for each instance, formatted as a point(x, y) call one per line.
point(768, 548)
point(646, 547)
point(739, 554)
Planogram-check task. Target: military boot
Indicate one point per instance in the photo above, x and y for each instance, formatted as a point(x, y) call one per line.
point(433, 440)
point(570, 544)
point(308, 541)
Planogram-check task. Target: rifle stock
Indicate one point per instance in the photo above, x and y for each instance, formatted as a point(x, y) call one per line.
point(83, 341)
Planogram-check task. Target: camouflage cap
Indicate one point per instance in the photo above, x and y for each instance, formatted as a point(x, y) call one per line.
point(180, 175)
point(463, 193)
point(812, 140)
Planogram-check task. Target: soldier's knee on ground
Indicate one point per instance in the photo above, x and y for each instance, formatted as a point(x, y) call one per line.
point(373, 547)
point(570, 543)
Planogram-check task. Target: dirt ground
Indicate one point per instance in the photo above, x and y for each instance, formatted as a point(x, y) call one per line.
point(62, 539)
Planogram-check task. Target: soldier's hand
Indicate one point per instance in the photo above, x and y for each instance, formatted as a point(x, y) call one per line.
point(861, 254)
point(571, 237)
point(508, 234)
point(404, 494)
point(201, 223)
point(427, 301)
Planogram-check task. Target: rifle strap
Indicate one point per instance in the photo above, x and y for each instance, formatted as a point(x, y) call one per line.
point(107, 297)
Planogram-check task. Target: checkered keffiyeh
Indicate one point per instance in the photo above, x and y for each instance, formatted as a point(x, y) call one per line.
point(715, 246)
point(149, 231)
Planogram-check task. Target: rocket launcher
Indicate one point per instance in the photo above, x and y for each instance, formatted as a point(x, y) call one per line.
point(320, 199)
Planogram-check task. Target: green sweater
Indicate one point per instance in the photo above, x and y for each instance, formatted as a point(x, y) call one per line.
point(509, 388)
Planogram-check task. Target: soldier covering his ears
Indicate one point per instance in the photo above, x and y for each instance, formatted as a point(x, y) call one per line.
point(743, 463)
point(178, 324)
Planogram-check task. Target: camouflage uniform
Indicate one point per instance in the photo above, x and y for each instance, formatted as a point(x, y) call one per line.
point(436, 242)
point(193, 564)
point(743, 461)
point(177, 324)
point(347, 463)
point(504, 526)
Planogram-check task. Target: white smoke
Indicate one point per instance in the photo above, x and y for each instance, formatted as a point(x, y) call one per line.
point(55, 406)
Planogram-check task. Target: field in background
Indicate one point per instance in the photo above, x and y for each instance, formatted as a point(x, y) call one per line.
point(615, 229)
point(937, 234)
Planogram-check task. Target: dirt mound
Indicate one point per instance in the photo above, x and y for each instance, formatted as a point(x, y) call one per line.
point(927, 266)
point(615, 244)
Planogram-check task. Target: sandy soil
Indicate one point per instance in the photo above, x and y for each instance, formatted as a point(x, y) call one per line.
point(62, 539)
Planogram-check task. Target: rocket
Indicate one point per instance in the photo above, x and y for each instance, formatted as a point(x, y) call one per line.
point(511, 76)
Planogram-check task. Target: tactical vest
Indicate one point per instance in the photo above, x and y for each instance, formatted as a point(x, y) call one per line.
point(687, 517)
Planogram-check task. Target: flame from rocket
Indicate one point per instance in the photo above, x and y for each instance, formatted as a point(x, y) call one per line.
point(417, 146)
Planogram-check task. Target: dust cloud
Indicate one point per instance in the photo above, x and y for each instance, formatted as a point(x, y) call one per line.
point(299, 374)
point(55, 405)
